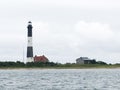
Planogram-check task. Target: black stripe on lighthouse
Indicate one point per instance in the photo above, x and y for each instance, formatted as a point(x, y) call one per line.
point(29, 29)
point(29, 51)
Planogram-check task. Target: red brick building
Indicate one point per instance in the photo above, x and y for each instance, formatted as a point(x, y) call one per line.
point(40, 59)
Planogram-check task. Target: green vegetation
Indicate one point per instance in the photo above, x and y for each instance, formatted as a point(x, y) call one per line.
point(27, 65)
point(18, 64)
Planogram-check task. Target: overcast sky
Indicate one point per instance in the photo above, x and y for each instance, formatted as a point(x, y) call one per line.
point(63, 30)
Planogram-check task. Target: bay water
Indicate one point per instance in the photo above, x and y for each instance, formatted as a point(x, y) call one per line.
point(60, 79)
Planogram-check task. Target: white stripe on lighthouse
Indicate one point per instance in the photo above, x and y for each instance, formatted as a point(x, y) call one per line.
point(30, 59)
point(29, 42)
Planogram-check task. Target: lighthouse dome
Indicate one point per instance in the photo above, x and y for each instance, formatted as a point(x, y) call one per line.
point(29, 23)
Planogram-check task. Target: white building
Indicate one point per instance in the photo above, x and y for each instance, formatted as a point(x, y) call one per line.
point(84, 60)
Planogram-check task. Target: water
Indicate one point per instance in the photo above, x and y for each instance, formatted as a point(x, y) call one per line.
point(60, 79)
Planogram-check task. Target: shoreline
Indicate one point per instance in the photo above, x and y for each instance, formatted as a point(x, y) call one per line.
point(45, 68)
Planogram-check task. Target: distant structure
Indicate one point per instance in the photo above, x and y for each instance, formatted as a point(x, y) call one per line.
point(40, 59)
point(85, 60)
point(29, 44)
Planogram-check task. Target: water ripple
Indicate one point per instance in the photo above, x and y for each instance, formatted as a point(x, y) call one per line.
point(60, 79)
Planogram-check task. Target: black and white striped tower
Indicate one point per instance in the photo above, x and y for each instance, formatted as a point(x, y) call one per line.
point(29, 45)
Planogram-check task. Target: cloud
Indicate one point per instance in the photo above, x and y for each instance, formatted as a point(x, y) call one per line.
point(94, 35)
point(94, 31)
point(89, 4)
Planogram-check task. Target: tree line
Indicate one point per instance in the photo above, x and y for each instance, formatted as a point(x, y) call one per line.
point(29, 64)
point(19, 64)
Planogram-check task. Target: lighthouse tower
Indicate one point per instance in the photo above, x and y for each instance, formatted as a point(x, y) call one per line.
point(29, 45)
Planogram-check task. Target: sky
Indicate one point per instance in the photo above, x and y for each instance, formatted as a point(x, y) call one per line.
point(63, 30)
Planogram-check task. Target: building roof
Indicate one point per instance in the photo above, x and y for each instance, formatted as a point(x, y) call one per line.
point(40, 58)
point(83, 58)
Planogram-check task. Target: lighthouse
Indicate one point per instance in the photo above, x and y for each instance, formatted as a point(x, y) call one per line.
point(29, 43)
